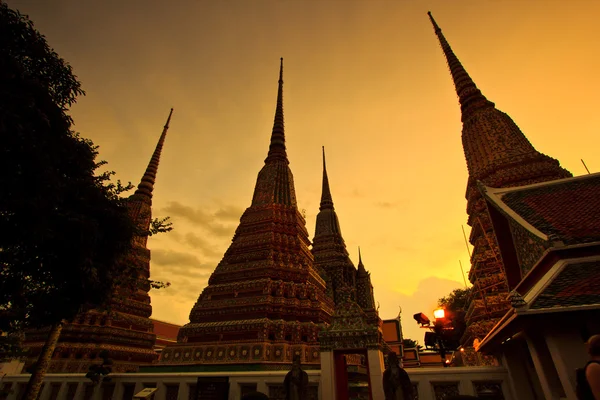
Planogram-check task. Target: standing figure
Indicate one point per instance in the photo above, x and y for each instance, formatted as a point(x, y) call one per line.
point(588, 378)
point(296, 382)
point(396, 383)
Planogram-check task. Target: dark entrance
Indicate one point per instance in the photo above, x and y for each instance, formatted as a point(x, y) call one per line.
point(352, 379)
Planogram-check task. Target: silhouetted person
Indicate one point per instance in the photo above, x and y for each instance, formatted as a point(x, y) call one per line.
point(396, 383)
point(255, 396)
point(296, 382)
point(588, 378)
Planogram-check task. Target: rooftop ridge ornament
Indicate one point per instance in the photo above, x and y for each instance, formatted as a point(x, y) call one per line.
point(277, 146)
point(326, 199)
point(146, 186)
point(469, 95)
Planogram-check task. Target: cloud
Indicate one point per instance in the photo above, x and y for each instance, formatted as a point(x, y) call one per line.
point(201, 244)
point(208, 221)
point(175, 264)
point(229, 213)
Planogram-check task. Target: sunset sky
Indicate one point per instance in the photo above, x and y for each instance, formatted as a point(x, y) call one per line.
point(364, 78)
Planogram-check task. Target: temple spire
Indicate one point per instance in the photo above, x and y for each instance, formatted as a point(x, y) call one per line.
point(470, 97)
point(360, 266)
point(146, 186)
point(326, 200)
point(277, 146)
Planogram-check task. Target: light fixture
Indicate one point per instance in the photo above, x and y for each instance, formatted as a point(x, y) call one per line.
point(439, 314)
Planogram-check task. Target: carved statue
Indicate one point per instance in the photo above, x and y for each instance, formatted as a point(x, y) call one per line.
point(396, 383)
point(296, 382)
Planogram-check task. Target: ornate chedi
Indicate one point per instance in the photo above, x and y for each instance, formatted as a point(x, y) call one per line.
point(265, 302)
point(356, 323)
point(499, 155)
point(364, 292)
point(125, 329)
point(329, 248)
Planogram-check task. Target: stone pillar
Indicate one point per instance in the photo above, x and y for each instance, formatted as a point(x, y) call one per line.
point(235, 391)
point(184, 391)
point(568, 353)
point(261, 386)
point(516, 363)
point(327, 384)
point(544, 367)
point(376, 368)
point(62, 392)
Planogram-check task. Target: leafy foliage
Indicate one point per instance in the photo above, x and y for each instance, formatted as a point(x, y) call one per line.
point(411, 344)
point(66, 235)
point(456, 304)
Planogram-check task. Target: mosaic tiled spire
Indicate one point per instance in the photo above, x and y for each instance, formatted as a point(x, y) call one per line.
point(364, 288)
point(146, 186)
point(491, 139)
point(127, 331)
point(264, 298)
point(499, 155)
point(329, 248)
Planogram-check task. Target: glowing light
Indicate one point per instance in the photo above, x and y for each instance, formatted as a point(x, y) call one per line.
point(438, 314)
point(462, 349)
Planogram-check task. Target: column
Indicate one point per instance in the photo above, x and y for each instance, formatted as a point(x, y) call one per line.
point(184, 391)
point(261, 386)
point(235, 391)
point(46, 390)
point(568, 353)
point(327, 384)
point(375, 360)
point(544, 367)
point(62, 392)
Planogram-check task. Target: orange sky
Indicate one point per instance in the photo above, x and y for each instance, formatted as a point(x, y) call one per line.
point(366, 79)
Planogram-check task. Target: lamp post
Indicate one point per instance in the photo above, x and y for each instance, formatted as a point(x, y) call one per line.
point(440, 325)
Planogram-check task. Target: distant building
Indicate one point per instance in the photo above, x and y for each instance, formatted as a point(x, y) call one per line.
point(166, 334)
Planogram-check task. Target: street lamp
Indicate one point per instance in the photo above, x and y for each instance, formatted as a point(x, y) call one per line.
point(435, 338)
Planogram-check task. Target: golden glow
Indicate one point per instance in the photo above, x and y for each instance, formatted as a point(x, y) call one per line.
point(366, 79)
point(439, 313)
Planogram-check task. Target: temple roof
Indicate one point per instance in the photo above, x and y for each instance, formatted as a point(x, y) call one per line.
point(577, 284)
point(566, 210)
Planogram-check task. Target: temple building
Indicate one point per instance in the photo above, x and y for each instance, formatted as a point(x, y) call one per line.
point(549, 238)
point(498, 155)
point(125, 329)
point(265, 302)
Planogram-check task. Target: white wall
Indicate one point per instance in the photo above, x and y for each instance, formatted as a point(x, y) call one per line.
point(426, 378)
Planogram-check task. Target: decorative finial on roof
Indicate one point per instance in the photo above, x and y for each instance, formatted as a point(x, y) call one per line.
point(516, 300)
point(146, 186)
point(469, 96)
point(277, 146)
point(326, 199)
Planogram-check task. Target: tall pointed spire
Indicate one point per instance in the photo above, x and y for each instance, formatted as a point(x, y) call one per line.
point(275, 183)
point(360, 266)
point(499, 155)
point(146, 186)
point(470, 97)
point(277, 146)
point(326, 200)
